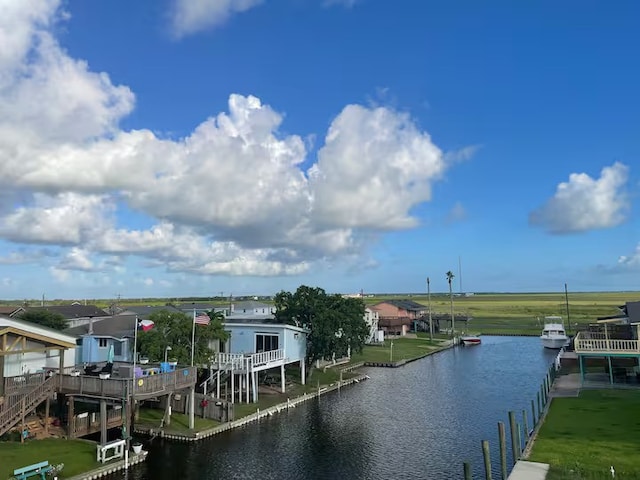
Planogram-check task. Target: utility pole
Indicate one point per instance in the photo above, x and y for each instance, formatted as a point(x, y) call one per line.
point(430, 319)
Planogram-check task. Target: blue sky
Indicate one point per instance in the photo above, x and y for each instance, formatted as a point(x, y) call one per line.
point(192, 147)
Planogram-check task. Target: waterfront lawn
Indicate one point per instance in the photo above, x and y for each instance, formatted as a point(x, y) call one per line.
point(151, 417)
point(582, 437)
point(403, 349)
point(78, 456)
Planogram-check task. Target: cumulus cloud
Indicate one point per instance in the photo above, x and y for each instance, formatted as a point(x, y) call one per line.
point(632, 260)
point(457, 213)
point(584, 203)
point(192, 16)
point(230, 198)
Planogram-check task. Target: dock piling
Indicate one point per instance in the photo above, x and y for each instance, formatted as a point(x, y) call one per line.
point(534, 420)
point(487, 459)
point(502, 436)
point(525, 425)
point(514, 433)
point(467, 471)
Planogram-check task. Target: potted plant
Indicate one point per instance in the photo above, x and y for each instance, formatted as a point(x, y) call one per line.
point(104, 375)
point(173, 361)
point(144, 360)
point(137, 447)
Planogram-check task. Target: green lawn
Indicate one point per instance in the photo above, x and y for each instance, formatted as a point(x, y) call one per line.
point(78, 456)
point(582, 437)
point(151, 417)
point(403, 349)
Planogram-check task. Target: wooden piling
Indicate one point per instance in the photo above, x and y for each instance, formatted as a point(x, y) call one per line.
point(525, 425)
point(539, 406)
point(519, 441)
point(487, 459)
point(534, 419)
point(514, 433)
point(467, 471)
point(502, 437)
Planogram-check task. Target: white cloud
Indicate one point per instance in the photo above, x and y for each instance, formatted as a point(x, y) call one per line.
point(344, 3)
point(584, 203)
point(457, 213)
point(148, 281)
point(192, 16)
point(231, 198)
point(632, 260)
point(60, 275)
point(374, 167)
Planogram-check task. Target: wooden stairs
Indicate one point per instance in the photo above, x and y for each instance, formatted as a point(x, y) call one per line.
point(12, 412)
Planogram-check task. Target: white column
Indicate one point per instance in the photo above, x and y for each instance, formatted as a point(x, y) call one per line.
point(282, 377)
point(248, 382)
point(233, 384)
point(303, 373)
point(192, 408)
point(255, 385)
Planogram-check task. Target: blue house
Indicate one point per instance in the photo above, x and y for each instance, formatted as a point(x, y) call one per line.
point(96, 338)
point(257, 345)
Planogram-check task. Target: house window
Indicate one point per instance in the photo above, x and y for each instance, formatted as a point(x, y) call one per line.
point(117, 348)
point(102, 342)
point(266, 343)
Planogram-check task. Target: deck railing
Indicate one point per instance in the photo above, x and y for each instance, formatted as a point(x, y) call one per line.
point(23, 383)
point(263, 358)
point(88, 423)
point(182, 377)
point(591, 342)
point(10, 414)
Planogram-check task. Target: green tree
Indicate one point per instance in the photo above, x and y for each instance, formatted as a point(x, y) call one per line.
point(336, 325)
point(45, 318)
point(173, 329)
point(450, 277)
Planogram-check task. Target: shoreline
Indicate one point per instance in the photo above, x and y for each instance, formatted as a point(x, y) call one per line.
point(109, 468)
point(291, 403)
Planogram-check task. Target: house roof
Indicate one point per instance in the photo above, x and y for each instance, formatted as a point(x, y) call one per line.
point(408, 305)
point(633, 311)
point(120, 326)
point(262, 324)
point(184, 307)
point(145, 310)
point(250, 305)
point(36, 332)
point(250, 318)
point(393, 321)
point(9, 310)
point(73, 311)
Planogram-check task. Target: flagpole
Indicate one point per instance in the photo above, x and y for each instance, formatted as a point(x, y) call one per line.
point(192, 393)
point(193, 335)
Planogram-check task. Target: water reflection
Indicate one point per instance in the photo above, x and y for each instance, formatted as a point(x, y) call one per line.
point(418, 422)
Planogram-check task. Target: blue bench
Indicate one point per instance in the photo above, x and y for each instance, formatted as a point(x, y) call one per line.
point(37, 469)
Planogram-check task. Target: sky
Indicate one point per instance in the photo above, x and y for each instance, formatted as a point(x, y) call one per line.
point(168, 148)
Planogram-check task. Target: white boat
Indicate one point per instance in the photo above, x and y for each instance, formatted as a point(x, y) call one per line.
point(468, 340)
point(554, 335)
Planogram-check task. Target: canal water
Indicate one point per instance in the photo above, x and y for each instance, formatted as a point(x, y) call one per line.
point(421, 421)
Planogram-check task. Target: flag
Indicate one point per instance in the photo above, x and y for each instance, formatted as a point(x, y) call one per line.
point(145, 325)
point(202, 319)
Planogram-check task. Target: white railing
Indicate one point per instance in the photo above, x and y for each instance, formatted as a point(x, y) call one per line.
point(587, 342)
point(264, 358)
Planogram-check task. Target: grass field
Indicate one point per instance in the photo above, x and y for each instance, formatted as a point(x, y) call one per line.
point(151, 417)
point(403, 349)
point(582, 437)
point(78, 456)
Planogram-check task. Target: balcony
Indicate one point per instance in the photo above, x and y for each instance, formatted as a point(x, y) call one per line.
point(255, 361)
point(115, 387)
point(600, 344)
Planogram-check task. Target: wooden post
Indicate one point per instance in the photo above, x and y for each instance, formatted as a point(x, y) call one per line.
point(23, 409)
point(525, 426)
point(487, 459)
point(534, 419)
point(539, 406)
point(467, 471)
point(103, 422)
point(502, 436)
point(71, 419)
point(46, 415)
point(519, 441)
point(514, 438)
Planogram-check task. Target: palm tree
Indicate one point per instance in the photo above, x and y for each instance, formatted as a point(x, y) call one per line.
point(450, 276)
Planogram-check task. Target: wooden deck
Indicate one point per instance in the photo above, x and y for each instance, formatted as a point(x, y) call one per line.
point(144, 387)
point(589, 343)
point(255, 362)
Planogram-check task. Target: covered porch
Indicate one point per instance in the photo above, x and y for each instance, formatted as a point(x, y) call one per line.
point(242, 371)
point(611, 355)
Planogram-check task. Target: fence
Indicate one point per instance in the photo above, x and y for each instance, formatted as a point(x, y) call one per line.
point(520, 430)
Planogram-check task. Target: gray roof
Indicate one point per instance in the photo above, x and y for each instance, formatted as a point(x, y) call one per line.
point(119, 326)
point(633, 311)
point(198, 306)
point(408, 305)
point(250, 305)
point(250, 318)
point(146, 310)
point(73, 311)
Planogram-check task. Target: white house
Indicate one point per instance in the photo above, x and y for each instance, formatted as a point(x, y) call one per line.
point(251, 307)
point(256, 344)
point(371, 317)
